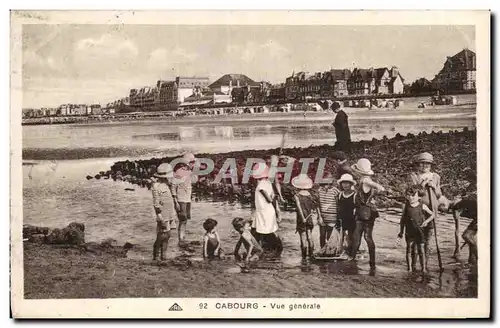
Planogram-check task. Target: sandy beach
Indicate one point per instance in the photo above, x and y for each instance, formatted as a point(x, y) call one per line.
point(83, 272)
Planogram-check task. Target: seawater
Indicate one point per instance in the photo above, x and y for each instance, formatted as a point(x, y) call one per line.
point(55, 191)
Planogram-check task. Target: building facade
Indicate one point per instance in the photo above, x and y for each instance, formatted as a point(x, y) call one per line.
point(380, 81)
point(458, 73)
point(226, 83)
point(277, 93)
point(307, 86)
point(172, 93)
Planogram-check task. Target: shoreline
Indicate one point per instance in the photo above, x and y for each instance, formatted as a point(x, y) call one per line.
point(183, 116)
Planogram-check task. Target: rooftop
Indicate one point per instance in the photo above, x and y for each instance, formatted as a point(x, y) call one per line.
point(233, 78)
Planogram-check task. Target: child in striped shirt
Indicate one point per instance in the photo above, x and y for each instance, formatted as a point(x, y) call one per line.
point(327, 212)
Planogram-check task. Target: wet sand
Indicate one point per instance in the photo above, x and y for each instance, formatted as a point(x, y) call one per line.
point(62, 272)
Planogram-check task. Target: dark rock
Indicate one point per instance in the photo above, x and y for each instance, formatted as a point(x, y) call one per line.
point(37, 239)
point(127, 246)
point(73, 234)
point(110, 242)
point(97, 176)
point(89, 177)
point(129, 189)
point(30, 230)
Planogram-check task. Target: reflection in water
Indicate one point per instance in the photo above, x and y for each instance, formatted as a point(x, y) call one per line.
point(227, 133)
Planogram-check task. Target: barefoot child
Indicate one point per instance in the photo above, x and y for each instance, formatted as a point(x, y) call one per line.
point(163, 205)
point(431, 183)
point(211, 240)
point(327, 211)
point(365, 211)
point(252, 247)
point(345, 211)
point(304, 208)
point(412, 223)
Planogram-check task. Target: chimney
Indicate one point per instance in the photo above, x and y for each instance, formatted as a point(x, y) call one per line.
point(230, 84)
point(238, 83)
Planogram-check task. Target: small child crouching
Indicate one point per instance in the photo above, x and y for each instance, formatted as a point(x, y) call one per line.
point(253, 249)
point(211, 240)
point(412, 223)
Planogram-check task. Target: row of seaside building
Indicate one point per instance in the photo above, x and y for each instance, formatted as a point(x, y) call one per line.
point(457, 75)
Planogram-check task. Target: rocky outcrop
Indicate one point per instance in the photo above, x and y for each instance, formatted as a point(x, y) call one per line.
point(454, 153)
point(74, 236)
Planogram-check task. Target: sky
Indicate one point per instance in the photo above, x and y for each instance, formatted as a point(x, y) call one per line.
point(101, 63)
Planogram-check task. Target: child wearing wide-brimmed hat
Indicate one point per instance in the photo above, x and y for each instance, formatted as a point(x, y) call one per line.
point(430, 181)
point(265, 220)
point(365, 210)
point(345, 209)
point(182, 192)
point(305, 209)
point(163, 204)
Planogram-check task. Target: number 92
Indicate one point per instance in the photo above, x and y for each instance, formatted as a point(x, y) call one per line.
point(203, 306)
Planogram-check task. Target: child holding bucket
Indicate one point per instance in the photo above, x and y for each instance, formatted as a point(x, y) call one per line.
point(305, 207)
point(365, 211)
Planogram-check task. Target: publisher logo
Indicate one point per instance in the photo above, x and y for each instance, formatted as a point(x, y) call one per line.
point(175, 307)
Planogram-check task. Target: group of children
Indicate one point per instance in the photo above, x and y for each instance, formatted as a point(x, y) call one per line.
point(346, 205)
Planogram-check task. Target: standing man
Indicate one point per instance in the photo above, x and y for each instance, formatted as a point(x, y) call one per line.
point(341, 126)
point(182, 191)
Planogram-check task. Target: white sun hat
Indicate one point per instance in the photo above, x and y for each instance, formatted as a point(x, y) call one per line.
point(363, 166)
point(347, 178)
point(302, 181)
point(260, 170)
point(164, 171)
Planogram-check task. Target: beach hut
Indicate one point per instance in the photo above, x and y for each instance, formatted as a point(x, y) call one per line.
point(399, 103)
point(453, 100)
point(365, 103)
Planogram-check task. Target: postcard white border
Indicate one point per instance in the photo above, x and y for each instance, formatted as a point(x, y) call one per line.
point(330, 308)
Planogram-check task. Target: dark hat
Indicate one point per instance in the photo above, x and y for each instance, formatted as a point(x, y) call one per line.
point(209, 224)
point(339, 155)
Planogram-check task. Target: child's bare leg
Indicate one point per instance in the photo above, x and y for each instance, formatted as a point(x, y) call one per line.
point(421, 256)
point(164, 245)
point(322, 236)
point(156, 247)
point(413, 256)
point(408, 251)
point(329, 231)
point(468, 237)
point(181, 230)
point(342, 241)
point(303, 242)
point(368, 231)
point(310, 243)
